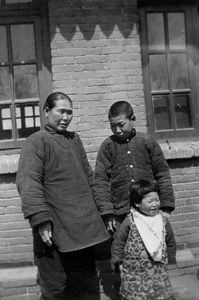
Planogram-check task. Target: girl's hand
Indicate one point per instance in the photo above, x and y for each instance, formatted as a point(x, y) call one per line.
point(167, 215)
point(120, 267)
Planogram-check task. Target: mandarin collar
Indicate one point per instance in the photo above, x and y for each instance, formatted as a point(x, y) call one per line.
point(126, 140)
point(53, 131)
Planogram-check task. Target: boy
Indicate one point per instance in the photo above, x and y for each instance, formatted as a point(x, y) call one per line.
point(125, 157)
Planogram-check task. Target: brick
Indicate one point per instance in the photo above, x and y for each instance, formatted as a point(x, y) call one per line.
point(12, 210)
point(184, 223)
point(16, 233)
point(16, 249)
point(15, 241)
point(12, 291)
point(186, 209)
point(10, 202)
point(186, 194)
point(14, 225)
point(188, 238)
point(33, 289)
point(9, 194)
point(11, 218)
point(21, 297)
point(185, 231)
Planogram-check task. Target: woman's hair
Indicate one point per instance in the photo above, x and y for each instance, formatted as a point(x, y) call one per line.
point(120, 107)
point(140, 188)
point(52, 98)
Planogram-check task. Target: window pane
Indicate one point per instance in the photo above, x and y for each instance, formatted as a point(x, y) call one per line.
point(158, 72)
point(25, 81)
point(5, 123)
point(179, 71)
point(155, 29)
point(161, 112)
point(5, 93)
point(17, 1)
point(23, 42)
point(27, 119)
point(182, 110)
point(3, 45)
point(176, 24)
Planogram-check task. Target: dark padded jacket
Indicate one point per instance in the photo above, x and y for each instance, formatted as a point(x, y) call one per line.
point(119, 162)
point(55, 182)
point(122, 235)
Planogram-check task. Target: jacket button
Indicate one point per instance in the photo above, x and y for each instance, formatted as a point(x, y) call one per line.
point(129, 152)
point(131, 166)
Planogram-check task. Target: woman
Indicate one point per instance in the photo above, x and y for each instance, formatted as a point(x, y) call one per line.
point(55, 182)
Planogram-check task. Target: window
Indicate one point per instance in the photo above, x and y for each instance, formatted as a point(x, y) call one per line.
point(167, 51)
point(5, 2)
point(22, 72)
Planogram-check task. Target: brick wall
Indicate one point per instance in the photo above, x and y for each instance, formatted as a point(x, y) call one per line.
point(95, 50)
point(96, 60)
point(15, 233)
point(185, 221)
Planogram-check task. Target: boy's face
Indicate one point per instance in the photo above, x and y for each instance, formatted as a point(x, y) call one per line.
point(122, 126)
point(150, 204)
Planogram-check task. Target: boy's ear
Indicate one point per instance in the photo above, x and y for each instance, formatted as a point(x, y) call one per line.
point(137, 205)
point(133, 118)
point(46, 112)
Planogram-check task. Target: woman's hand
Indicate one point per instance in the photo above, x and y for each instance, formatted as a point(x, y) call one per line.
point(45, 232)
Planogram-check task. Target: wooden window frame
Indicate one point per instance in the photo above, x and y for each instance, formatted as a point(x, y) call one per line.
point(191, 15)
point(36, 13)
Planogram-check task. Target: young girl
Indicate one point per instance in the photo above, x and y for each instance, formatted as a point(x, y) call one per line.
point(143, 246)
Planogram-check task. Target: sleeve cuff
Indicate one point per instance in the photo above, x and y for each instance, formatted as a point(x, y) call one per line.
point(39, 218)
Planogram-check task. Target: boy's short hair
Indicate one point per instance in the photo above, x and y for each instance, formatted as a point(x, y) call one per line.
point(140, 188)
point(120, 107)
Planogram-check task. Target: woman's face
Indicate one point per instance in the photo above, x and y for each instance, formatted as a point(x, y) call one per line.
point(60, 116)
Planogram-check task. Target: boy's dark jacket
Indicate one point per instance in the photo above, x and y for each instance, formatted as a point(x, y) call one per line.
point(119, 162)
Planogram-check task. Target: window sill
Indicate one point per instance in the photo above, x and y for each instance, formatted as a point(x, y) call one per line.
point(171, 150)
point(9, 163)
point(180, 149)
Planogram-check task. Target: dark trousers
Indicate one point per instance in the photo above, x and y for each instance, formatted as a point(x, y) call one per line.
point(60, 274)
point(118, 220)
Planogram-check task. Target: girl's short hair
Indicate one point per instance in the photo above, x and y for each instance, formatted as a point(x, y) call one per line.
point(120, 107)
point(140, 188)
point(52, 98)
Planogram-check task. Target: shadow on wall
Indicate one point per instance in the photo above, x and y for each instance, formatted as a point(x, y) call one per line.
point(87, 14)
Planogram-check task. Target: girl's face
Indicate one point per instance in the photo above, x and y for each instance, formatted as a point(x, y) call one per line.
point(60, 116)
point(150, 204)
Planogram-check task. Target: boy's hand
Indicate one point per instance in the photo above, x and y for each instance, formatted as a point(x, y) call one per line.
point(166, 214)
point(45, 232)
point(111, 224)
